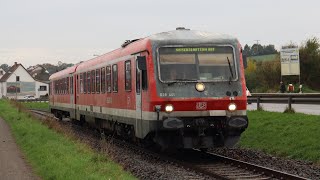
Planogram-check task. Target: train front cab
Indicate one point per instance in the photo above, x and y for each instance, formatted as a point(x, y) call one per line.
point(200, 96)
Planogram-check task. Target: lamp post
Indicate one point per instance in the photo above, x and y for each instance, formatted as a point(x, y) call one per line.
point(15, 84)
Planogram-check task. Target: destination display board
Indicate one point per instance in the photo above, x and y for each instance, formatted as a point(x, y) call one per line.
point(198, 50)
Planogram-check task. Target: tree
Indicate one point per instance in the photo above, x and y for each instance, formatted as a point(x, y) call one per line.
point(5, 67)
point(246, 50)
point(309, 54)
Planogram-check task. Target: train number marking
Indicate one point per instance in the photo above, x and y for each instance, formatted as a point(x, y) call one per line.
point(167, 94)
point(109, 100)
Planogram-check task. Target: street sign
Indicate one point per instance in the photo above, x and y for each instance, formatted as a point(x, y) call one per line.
point(290, 63)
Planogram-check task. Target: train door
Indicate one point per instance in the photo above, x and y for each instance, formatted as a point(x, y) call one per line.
point(72, 98)
point(141, 73)
point(138, 125)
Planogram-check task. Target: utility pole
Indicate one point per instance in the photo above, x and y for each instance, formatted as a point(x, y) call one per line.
point(257, 47)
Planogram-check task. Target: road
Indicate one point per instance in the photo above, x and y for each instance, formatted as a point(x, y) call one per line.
point(12, 163)
point(302, 108)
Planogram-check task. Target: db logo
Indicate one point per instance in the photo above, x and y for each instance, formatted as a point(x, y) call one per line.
point(201, 105)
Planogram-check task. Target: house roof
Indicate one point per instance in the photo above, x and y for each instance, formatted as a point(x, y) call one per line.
point(13, 68)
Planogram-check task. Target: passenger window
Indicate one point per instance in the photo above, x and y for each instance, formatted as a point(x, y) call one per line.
point(115, 77)
point(108, 79)
point(98, 80)
point(128, 75)
point(88, 82)
point(103, 80)
point(93, 81)
point(137, 81)
point(85, 82)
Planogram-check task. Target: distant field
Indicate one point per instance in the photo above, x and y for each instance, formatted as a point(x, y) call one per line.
point(269, 57)
point(289, 135)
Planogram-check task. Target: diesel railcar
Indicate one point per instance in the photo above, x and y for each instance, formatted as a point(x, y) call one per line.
point(178, 89)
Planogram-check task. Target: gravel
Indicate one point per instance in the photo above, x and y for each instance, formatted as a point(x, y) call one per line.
point(139, 164)
point(300, 168)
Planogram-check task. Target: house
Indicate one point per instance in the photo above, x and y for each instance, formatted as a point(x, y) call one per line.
point(2, 72)
point(17, 83)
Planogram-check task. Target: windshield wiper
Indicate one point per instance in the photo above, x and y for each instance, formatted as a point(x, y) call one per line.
point(178, 80)
point(184, 79)
point(230, 68)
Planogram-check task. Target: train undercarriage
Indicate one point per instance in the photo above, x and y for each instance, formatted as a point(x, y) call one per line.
point(173, 133)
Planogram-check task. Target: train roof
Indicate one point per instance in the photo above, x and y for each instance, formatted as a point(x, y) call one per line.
point(64, 72)
point(136, 46)
point(183, 35)
point(179, 36)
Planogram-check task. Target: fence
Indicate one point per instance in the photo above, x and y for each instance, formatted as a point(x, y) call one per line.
point(284, 98)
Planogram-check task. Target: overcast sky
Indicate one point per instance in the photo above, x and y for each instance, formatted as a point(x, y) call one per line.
point(43, 31)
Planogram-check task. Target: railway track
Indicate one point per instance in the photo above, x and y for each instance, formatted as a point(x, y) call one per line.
point(223, 167)
point(212, 166)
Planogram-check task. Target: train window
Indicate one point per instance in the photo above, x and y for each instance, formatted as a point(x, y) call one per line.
point(197, 63)
point(115, 78)
point(98, 80)
point(137, 81)
point(71, 85)
point(78, 83)
point(64, 82)
point(103, 80)
point(67, 85)
point(127, 75)
point(60, 86)
point(144, 80)
point(93, 81)
point(84, 82)
point(88, 81)
point(81, 83)
point(108, 79)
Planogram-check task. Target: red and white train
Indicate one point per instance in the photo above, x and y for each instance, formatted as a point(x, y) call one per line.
point(180, 89)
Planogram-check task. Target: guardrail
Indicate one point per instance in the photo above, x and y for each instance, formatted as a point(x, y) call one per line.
point(284, 98)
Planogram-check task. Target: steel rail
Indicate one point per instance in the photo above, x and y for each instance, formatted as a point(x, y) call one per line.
point(257, 168)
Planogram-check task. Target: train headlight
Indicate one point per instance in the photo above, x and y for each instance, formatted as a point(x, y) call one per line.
point(169, 108)
point(232, 107)
point(200, 87)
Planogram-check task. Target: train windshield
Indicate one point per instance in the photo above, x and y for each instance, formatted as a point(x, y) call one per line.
point(214, 63)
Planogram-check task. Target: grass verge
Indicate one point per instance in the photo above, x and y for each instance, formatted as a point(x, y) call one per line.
point(290, 135)
point(36, 105)
point(52, 155)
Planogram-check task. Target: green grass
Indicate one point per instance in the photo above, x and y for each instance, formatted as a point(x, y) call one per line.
point(270, 57)
point(52, 155)
point(36, 105)
point(290, 135)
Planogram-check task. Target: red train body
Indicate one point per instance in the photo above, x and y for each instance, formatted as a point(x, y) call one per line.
point(181, 89)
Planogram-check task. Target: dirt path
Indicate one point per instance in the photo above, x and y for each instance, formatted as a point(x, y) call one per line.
point(12, 164)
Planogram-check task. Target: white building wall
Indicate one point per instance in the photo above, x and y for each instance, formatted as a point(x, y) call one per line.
point(41, 93)
point(1, 90)
point(24, 76)
point(22, 73)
